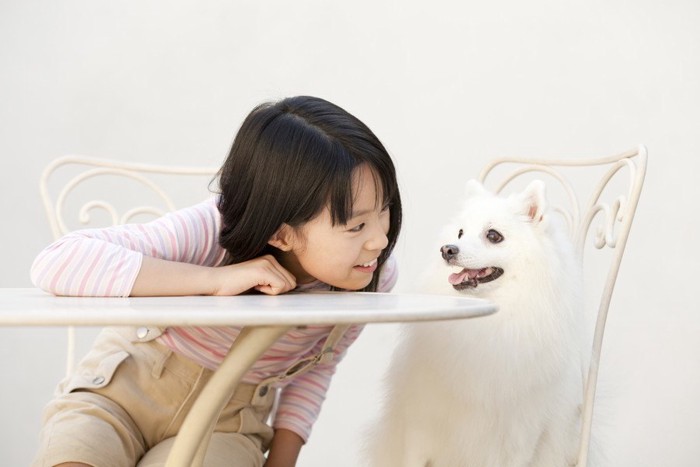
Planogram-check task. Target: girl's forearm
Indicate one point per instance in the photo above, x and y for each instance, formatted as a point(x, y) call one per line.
point(284, 449)
point(161, 277)
point(170, 278)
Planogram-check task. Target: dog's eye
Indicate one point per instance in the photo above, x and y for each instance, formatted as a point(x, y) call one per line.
point(494, 236)
point(461, 232)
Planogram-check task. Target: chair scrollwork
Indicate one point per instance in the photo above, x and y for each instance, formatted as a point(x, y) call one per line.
point(80, 170)
point(604, 220)
point(117, 190)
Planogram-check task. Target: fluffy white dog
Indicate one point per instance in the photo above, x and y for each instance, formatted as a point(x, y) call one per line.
point(497, 391)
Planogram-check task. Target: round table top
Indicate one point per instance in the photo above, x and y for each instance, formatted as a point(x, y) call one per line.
point(32, 307)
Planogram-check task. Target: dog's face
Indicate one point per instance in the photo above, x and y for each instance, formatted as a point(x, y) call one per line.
point(490, 238)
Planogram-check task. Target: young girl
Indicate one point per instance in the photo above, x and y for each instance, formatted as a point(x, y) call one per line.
point(308, 201)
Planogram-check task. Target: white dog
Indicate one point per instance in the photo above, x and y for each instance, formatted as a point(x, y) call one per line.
point(497, 391)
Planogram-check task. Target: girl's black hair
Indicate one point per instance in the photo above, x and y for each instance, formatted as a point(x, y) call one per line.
point(289, 160)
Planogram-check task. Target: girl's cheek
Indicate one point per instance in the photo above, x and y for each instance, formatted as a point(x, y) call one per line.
point(386, 223)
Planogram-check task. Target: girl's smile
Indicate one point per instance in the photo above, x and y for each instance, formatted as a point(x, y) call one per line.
point(369, 267)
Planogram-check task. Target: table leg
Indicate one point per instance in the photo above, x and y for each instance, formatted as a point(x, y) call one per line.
point(193, 438)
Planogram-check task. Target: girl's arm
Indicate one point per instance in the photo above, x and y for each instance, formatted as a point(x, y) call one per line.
point(173, 255)
point(162, 277)
point(284, 449)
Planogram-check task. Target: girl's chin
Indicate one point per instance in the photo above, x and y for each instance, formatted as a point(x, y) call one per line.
point(358, 285)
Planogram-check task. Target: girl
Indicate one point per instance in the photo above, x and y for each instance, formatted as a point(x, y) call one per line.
point(308, 200)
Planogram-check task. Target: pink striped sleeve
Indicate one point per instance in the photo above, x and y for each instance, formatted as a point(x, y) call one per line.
point(105, 262)
point(300, 402)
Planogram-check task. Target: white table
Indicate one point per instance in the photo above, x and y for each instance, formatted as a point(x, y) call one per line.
point(265, 319)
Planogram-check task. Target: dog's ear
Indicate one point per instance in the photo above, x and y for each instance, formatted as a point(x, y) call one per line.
point(534, 201)
point(474, 188)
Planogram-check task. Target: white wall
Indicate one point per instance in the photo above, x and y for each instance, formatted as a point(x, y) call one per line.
point(446, 85)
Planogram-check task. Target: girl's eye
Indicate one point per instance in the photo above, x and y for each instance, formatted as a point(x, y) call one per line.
point(357, 228)
point(461, 232)
point(494, 236)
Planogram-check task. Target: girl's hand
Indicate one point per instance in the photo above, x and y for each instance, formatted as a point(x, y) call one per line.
point(263, 274)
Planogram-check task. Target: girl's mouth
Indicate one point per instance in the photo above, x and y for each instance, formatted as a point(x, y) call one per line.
point(368, 267)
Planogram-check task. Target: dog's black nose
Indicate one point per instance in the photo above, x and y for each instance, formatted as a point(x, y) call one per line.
point(449, 251)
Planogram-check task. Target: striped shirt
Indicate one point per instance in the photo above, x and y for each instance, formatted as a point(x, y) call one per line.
point(105, 262)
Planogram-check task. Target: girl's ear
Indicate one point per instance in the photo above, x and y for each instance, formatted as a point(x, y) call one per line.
point(533, 201)
point(283, 239)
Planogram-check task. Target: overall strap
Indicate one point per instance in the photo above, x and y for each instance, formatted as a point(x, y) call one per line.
point(305, 364)
point(332, 341)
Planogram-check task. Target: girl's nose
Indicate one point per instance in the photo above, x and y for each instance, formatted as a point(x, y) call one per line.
point(378, 240)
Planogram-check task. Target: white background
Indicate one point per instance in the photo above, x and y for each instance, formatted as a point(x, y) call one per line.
point(446, 85)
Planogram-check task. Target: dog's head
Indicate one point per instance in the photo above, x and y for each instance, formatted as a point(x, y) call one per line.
point(492, 238)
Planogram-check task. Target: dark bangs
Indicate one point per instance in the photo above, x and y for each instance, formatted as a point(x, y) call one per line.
point(342, 192)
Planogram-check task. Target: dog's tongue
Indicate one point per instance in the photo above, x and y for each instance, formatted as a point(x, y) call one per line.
point(459, 277)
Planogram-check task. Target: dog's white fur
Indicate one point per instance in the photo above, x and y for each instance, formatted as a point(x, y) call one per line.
point(497, 391)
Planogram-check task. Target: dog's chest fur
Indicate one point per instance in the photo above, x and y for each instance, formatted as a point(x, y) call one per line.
point(502, 390)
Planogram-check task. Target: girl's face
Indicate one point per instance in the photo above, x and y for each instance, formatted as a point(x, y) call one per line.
point(344, 256)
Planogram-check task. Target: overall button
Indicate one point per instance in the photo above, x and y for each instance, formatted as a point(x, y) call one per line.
point(142, 333)
point(263, 391)
point(98, 380)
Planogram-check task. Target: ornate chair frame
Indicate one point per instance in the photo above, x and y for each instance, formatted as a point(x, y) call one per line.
point(613, 221)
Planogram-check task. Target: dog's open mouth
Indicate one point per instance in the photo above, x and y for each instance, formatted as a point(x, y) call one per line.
point(470, 278)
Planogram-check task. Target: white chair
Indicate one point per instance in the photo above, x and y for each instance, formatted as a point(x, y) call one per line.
point(599, 218)
point(82, 192)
